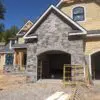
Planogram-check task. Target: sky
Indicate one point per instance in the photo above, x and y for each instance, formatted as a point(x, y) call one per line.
point(19, 10)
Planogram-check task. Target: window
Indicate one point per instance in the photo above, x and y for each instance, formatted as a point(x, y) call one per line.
point(12, 42)
point(9, 59)
point(78, 14)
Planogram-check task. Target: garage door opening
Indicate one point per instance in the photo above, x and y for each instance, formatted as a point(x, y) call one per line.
point(51, 63)
point(95, 64)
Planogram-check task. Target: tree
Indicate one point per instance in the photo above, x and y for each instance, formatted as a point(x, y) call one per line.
point(2, 28)
point(13, 30)
point(2, 10)
point(10, 33)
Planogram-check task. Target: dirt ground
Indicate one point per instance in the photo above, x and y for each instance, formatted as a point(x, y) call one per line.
point(14, 87)
point(8, 81)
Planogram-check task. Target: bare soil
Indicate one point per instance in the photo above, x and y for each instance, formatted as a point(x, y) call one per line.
point(8, 81)
point(14, 87)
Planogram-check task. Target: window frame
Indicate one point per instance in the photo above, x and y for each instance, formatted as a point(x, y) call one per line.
point(13, 42)
point(84, 13)
point(10, 55)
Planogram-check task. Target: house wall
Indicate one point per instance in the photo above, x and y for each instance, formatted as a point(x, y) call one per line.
point(2, 61)
point(53, 35)
point(92, 13)
point(92, 45)
point(2, 45)
point(21, 40)
point(19, 58)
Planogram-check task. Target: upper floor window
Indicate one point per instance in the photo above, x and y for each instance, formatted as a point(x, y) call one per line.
point(78, 14)
point(12, 42)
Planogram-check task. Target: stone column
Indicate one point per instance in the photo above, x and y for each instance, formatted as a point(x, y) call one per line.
point(78, 70)
point(31, 63)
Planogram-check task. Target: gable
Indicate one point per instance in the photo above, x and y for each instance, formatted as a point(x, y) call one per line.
point(91, 13)
point(53, 10)
point(25, 28)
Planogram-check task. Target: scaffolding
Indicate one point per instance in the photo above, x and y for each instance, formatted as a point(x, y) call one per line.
point(73, 74)
point(40, 70)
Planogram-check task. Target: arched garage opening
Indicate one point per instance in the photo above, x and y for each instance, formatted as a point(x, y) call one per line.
point(95, 65)
point(51, 63)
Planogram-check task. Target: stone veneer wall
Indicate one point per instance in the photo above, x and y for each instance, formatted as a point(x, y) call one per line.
point(53, 35)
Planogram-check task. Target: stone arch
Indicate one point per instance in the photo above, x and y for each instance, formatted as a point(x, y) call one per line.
point(52, 63)
point(39, 52)
point(47, 51)
point(94, 64)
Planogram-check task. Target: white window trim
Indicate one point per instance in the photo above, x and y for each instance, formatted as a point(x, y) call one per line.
point(79, 5)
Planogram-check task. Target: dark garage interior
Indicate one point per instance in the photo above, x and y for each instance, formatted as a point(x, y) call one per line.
point(95, 63)
point(50, 64)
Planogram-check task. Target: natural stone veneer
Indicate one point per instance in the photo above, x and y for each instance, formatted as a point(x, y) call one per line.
point(53, 35)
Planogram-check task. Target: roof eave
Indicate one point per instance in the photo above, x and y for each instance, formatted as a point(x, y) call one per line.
point(32, 37)
point(59, 3)
point(93, 35)
point(81, 33)
point(18, 47)
point(57, 10)
point(6, 52)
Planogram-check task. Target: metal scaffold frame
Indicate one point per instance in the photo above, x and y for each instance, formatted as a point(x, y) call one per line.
point(68, 78)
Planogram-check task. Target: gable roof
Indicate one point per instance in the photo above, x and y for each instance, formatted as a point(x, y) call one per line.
point(6, 49)
point(75, 1)
point(59, 3)
point(16, 46)
point(25, 28)
point(45, 14)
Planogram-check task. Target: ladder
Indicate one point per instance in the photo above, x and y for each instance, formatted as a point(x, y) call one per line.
point(66, 74)
point(40, 70)
point(70, 76)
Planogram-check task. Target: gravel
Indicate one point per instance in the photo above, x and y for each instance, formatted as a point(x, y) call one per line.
point(33, 91)
point(14, 87)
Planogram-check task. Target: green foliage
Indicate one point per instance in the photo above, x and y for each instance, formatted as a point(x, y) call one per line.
point(1, 32)
point(2, 27)
point(6, 34)
point(10, 33)
point(2, 10)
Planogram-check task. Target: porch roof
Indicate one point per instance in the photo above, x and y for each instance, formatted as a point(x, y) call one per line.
point(16, 46)
point(93, 33)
